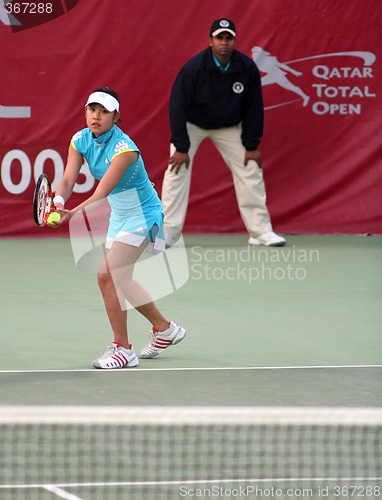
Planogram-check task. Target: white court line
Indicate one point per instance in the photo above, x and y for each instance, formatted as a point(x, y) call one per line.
point(60, 492)
point(189, 481)
point(224, 368)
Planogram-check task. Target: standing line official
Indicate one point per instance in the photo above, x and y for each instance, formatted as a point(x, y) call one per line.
point(217, 94)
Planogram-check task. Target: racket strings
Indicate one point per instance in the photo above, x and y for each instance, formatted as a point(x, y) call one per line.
point(42, 201)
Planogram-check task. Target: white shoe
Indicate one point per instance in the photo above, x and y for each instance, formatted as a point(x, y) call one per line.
point(159, 341)
point(269, 239)
point(116, 356)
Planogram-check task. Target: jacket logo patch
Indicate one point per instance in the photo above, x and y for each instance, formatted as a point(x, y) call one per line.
point(121, 146)
point(238, 87)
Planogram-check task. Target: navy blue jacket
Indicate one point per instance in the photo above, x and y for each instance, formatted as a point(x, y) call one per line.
point(203, 95)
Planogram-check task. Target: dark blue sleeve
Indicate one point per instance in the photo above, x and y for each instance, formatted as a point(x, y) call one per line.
point(253, 119)
point(180, 109)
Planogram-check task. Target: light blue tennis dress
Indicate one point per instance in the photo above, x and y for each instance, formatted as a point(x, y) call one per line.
point(136, 210)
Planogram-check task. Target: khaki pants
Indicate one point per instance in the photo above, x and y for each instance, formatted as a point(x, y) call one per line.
point(248, 182)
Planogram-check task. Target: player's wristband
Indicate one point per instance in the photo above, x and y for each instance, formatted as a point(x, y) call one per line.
point(59, 199)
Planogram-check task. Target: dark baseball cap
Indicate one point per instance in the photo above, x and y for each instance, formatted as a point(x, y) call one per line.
point(221, 25)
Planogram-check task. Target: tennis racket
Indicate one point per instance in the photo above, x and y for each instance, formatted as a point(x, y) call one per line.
point(42, 200)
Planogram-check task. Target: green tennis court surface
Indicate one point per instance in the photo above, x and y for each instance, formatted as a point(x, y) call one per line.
point(297, 326)
point(251, 326)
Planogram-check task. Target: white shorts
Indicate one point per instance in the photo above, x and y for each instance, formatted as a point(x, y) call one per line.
point(133, 222)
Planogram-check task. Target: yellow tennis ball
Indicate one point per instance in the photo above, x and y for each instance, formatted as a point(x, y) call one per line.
point(54, 217)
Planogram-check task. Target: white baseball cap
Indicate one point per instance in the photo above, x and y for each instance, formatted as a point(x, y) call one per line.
point(106, 100)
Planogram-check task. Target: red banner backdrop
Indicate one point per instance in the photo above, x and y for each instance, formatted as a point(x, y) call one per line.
point(321, 67)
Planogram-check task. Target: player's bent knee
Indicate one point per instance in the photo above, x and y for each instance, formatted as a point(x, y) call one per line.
point(104, 280)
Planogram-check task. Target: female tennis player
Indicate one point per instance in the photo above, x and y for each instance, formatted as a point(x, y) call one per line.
point(136, 222)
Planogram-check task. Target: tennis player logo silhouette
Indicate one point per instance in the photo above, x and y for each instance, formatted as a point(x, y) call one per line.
point(275, 72)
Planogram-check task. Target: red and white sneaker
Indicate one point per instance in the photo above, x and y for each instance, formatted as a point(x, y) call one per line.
point(116, 356)
point(159, 341)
